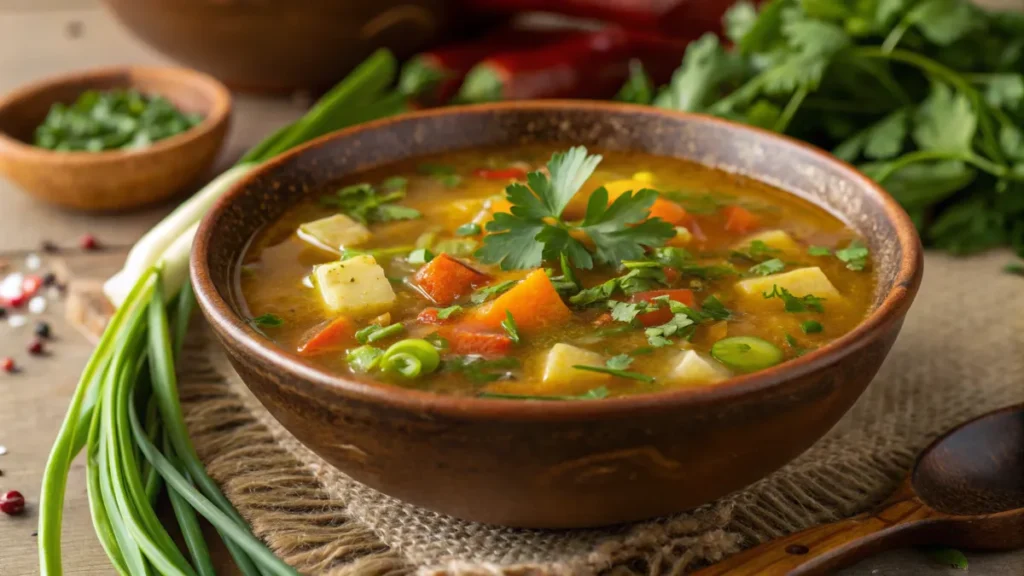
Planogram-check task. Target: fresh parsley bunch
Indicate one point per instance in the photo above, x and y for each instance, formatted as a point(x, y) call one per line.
point(534, 230)
point(925, 96)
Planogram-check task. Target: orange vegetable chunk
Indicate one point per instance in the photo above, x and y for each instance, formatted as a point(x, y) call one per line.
point(739, 220)
point(334, 336)
point(669, 211)
point(445, 279)
point(663, 314)
point(534, 304)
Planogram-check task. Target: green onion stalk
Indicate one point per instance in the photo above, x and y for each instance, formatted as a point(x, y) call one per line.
point(126, 413)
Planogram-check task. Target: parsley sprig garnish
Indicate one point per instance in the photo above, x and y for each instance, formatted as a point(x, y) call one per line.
point(796, 303)
point(534, 231)
point(367, 204)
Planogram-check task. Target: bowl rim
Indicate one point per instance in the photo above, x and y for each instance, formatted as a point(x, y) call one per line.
point(220, 110)
point(310, 379)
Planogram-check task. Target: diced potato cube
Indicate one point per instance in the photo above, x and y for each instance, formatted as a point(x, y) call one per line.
point(558, 369)
point(799, 282)
point(334, 233)
point(683, 237)
point(689, 367)
point(778, 239)
point(356, 287)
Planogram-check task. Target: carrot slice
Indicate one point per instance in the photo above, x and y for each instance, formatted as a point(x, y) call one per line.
point(739, 220)
point(445, 279)
point(467, 340)
point(663, 314)
point(669, 211)
point(534, 303)
point(335, 335)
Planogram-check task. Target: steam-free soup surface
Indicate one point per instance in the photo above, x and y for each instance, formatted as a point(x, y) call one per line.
point(462, 274)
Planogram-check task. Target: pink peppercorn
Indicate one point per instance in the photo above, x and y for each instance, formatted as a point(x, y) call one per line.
point(12, 503)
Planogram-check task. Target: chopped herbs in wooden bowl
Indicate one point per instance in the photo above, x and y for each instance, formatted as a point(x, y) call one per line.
point(111, 120)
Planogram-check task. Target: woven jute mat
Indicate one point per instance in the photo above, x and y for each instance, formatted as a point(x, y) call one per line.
point(961, 353)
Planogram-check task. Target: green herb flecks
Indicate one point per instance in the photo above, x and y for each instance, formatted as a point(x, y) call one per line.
point(811, 327)
point(480, 371)
point(366, 204)
point(855, 255)
point(794, 303)
point(445, 313)
point(768, 267)
point(509, 324)
point(592, 394)
point(267, 321)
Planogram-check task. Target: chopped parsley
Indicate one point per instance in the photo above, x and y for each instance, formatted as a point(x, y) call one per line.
point(509, 324)
point(267, 321)
point(768, 267)
point(440, 172)
point(534, 230)
point(855, 255)
point(793, 303)
point(364, 203)
point(819, 251)
point(756, 251)
point(619, 362)
point(811, 327)
point(481, 295)
point(468, 229)
point(615, 372)
point(445, 313)
point(681, 324)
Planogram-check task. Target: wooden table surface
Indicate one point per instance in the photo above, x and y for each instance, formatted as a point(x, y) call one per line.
point(37, 39)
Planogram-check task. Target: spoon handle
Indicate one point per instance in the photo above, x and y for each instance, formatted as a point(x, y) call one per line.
point(824, 549)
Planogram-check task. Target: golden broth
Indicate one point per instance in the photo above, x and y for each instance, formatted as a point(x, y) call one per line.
point(274, 275)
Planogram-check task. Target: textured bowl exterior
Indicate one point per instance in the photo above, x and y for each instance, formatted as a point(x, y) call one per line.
point(560, 464)
point(283, 45)
point(113, 180)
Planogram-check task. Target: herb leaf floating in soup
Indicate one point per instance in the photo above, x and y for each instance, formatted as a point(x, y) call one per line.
point(587, 278)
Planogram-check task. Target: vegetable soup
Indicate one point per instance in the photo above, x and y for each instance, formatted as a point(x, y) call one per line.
point(516, 273)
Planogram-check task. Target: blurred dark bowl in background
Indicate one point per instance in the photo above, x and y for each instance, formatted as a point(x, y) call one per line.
point(285, 45)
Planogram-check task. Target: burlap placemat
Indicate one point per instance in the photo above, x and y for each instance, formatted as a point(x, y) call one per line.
point(961, 353)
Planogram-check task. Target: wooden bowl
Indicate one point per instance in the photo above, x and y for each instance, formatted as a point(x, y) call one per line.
point(560, 464)
point(115, 179)
point(284, 45)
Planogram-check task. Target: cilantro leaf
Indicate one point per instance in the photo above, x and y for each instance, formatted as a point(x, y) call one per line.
point(738, 20)
point(619, 362)
point(819, 251)
point(855, 255)
point(793, 303)
point(626, 311)
point(363, 203)
point(569, 170)
point(714, 309)
point(706, 67)
point(945, 121)
point(944, 21)
point(615, 240)
point(1004, 90)
point(638, 89)
point(768, 267)
point(680, 325)
point(512, 242)
point(924, 184)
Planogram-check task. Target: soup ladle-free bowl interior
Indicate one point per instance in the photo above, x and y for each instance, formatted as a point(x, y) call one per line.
point(559, 464)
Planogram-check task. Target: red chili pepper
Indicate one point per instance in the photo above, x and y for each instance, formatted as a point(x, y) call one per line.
point(581, 65)
point(434, 77)
point(670, 16)
point(500, 174)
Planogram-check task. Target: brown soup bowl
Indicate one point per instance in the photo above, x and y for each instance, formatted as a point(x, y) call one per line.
point(560, 464)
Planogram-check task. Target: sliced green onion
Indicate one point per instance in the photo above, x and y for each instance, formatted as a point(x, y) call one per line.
point(411, 357)
point(420, 256)
point(746, 353)
point(365, 358)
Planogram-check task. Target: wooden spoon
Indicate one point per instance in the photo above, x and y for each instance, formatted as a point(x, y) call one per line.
point(966, 490)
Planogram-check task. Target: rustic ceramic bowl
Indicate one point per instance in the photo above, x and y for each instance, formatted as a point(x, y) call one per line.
point(560, 464)
point(286, 45)
point(115, 179)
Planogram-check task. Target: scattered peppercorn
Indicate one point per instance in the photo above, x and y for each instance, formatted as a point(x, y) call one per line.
point(43, 330)
point(7, 364)
point(49, 279)
point(88, 242)
point(3, 312)
point(12, 503)
point(35, 347)
point(49, 247)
